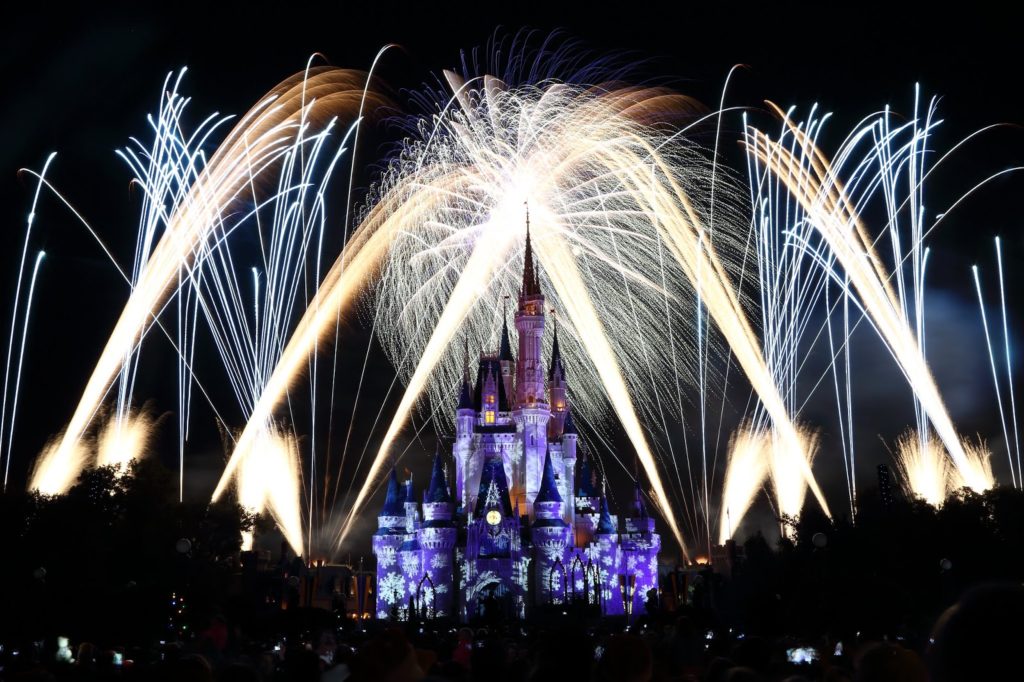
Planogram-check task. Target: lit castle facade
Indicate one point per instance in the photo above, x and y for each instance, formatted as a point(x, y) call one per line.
point(520, 529)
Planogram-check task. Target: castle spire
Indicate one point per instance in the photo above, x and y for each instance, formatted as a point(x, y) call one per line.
point(438, 490)
point(604, 524)
point(548, 486)
point(394, 502)
point(505, 351)
point(556, 352)
point(531, 285)
point(466, 392)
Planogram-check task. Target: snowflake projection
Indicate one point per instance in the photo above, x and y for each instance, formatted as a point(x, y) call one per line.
point(439, 561)
point(552, 552)
point(607, 560)
point(606, 594)
point(483, 580)
point(502, 541)
point(441, 589)
point(411, 564)
point(579, 585)
point(382, 615)
point(464, 575)
point(391, 588)
point(631, 564)
point(386, 559)
point(592, 552)
point(654, 564)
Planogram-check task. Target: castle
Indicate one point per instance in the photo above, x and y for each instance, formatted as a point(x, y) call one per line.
point(519, 532)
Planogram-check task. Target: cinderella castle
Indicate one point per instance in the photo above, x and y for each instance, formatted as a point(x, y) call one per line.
point(522, 527)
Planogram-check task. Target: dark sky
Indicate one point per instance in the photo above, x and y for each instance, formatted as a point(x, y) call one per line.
point(80, 81)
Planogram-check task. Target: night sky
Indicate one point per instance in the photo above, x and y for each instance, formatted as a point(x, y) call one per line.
point(80, 82)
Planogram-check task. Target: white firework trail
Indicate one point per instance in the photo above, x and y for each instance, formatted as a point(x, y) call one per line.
point(1005, 412)
point(30, 221)
point(616, 200)
point(256, 145)
point(833, 194)
point(21, 357)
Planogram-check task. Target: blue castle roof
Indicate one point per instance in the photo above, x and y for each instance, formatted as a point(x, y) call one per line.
point(505, 350)
point(494, 474)
point(570, 425)
point(556, 357)
point(438, 490)
point(466, 396)
point(604, 524)
point(394, 501)
point(548, 486)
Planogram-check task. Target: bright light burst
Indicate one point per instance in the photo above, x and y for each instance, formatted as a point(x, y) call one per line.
point(257, 144)
point(745, 474)
point(924, 468)
point(831, 194)
point(270, 480)
point(642, 241)
point(124, 439)
point(620, 206)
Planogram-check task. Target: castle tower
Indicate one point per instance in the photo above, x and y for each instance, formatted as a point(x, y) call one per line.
point(391, 525)
point(640, 547)
point(570, 438)
point(493, 548)
point(550, 535)
point(608, 560)
point(532, 413)
point(505, 359)
point(463, 446)
point(558, 390)
point(437, 536)
point(410, 560)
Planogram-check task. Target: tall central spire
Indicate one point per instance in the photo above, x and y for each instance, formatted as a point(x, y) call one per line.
point(531, 284)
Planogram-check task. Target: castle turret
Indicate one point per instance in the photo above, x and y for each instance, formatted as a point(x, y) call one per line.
point(463, 446)
point(391, 524)
point(570, 438)
point(532, 413)
point(550, 535)
point(608, 561)
point(505, 359)
point(640, 546)
point(437, 536)
point(409, 556)
point(558, 390)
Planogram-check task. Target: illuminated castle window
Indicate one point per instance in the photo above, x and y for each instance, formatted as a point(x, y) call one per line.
point(489, 417)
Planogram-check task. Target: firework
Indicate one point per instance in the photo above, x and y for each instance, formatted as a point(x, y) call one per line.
point(817, 186)
point(745, 473)
point(123, 440)
point(269, 480)
point(616, 229)
point(255, 145)
point(924, 468)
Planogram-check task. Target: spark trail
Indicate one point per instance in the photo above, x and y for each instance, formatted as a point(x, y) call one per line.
point(607, 182)
point(817, 185)
point(255, 145)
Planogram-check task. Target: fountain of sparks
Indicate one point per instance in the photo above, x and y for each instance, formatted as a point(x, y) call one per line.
point(618, 227)
point(832, 196)
point(204, 197)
